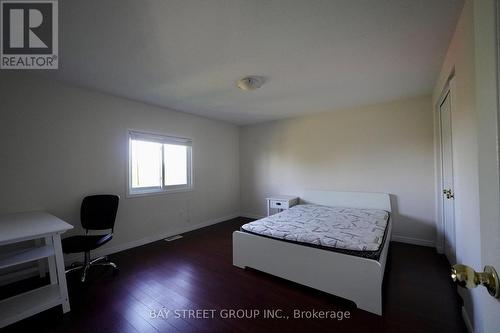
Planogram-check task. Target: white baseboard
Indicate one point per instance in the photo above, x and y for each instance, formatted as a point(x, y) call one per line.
point(252, 216)
point(33, 271)
point(468, 323)
point(414, 241)
point(146, 240)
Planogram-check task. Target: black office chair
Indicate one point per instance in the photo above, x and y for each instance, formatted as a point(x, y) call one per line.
point(98, 212)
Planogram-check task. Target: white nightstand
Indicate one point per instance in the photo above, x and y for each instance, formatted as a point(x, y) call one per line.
point(280, 202)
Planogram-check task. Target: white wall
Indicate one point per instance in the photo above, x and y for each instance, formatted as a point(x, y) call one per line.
point(460, 61)
point(60, 143)
point(381, 148)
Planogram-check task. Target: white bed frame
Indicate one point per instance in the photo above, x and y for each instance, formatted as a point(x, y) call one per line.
point(355, 278)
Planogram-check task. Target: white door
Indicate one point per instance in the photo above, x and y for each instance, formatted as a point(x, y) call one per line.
point(447, 189)
point(487, 97)
point(487, 91)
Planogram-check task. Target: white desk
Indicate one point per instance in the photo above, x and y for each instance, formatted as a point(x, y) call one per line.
point(34, 226)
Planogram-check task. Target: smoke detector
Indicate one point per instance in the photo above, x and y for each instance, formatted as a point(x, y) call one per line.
point(250, 83)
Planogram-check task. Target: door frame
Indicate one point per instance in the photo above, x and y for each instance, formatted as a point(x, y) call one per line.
point(448, 90)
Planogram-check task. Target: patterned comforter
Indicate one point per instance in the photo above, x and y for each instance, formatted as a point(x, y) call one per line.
point(332, 227)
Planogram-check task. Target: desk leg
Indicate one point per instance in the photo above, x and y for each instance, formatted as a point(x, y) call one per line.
point(61, 275)
point(52, 263)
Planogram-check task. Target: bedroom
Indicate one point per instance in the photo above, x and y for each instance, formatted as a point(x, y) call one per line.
point(348, 103)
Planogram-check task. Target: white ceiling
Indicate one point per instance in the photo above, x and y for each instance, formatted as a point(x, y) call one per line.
point(316, 55)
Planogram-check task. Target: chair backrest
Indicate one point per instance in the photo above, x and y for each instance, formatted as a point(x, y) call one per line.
point(98, 212)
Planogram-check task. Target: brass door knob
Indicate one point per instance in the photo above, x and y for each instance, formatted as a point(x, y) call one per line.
point(466, 277)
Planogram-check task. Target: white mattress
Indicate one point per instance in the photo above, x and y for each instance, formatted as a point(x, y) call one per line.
point(333, 227)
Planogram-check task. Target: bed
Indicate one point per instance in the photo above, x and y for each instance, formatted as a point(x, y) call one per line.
point(336, 242)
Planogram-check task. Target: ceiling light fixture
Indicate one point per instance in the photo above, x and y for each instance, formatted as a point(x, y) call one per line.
point(249, 83)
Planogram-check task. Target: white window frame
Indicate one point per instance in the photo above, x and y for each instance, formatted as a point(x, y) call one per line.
point(163, 139)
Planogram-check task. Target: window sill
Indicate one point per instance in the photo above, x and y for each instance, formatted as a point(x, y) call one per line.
point(157, 193)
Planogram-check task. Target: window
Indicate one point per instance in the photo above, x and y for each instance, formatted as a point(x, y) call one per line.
point(158, 163)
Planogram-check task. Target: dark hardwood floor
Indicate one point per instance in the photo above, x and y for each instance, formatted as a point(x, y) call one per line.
point(196, 273)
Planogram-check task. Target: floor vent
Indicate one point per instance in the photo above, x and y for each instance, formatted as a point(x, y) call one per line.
point(172, 238)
